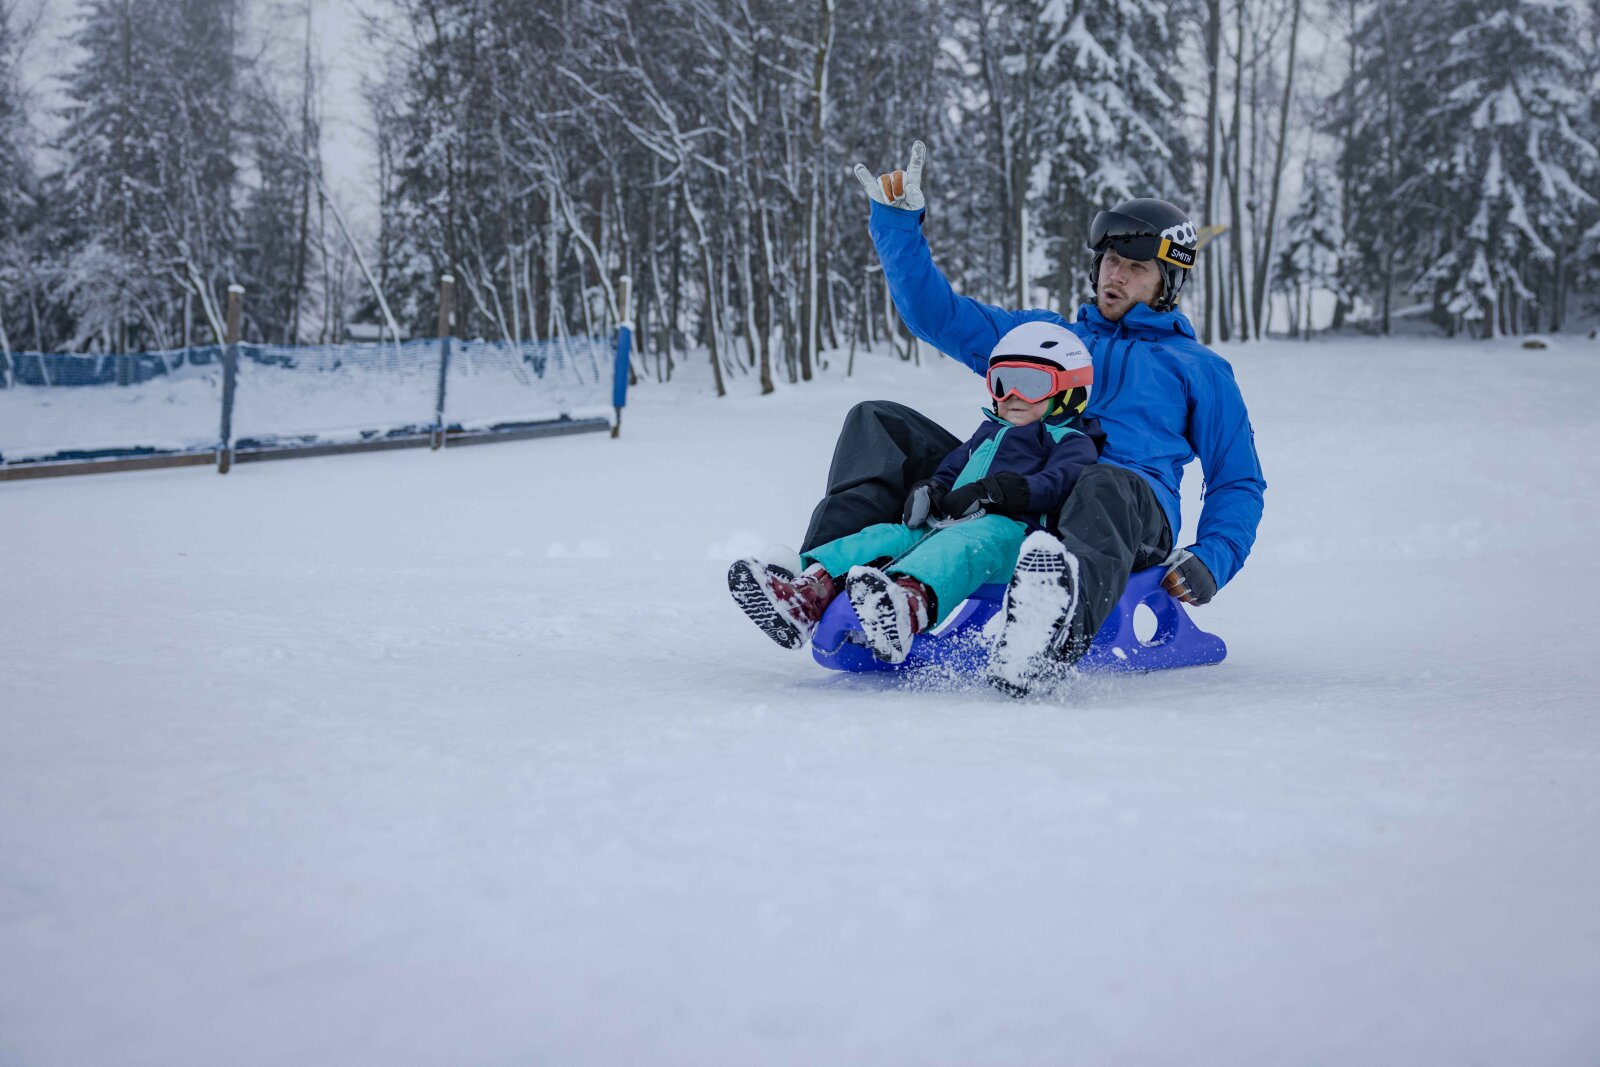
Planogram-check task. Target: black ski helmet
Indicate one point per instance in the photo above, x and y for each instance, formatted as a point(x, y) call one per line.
point(1147, 229)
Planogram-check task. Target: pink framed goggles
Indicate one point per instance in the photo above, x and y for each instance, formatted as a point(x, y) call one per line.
point(1034, 382)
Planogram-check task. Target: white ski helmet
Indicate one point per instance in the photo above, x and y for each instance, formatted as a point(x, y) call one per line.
point(1038, 360)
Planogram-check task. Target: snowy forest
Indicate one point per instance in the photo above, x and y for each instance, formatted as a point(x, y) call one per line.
point(1434, 160)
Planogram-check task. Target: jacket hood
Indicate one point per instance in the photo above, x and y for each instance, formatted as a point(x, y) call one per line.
point(1140, 318)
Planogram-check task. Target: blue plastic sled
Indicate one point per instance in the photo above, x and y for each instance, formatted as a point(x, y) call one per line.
point(959, 645)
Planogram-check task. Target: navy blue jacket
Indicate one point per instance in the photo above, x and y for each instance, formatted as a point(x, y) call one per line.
point(1162, 397)
point(1049, 454)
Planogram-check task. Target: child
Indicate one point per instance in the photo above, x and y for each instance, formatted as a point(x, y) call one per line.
point(961, 528)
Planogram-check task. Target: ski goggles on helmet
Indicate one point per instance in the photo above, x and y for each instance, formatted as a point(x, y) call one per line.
point(1131, 238)
point(1034, 382)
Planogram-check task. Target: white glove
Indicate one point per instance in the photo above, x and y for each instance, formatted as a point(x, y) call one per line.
point(902, 188)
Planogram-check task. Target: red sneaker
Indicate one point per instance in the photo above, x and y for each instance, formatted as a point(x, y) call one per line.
point(892, 610)
point(785, 607)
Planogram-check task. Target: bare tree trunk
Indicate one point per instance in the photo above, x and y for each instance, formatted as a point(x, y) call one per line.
point(1558, 285)
point(5, 352)
point(1343, 306)
point(302, 242)
point(1264, 265)
point(1253, 185)
point(730, 331)
point(1236, 252)
point(124, 219)
point(535, 266)
point(1213, 70)
point(763, 306)
point(1022, 164)
point(38, 328)
point(713, 316)
point(555, 325)
point(1390, 152)
point(675, 293)
point(1064, 266)
point(747, 283)
point(825, 273)
point(819, 105)
point(999, 110)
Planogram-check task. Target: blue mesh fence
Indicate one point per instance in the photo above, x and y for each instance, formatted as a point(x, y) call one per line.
point(334, 393)
point(90, 407)
point(62, 407)
point(492, 383)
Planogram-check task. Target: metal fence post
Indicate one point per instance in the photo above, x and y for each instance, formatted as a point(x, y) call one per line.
point(5, 357)
point(230, 377)
point(624, 363)
point(447, 290)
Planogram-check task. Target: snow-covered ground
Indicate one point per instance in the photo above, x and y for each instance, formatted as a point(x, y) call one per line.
point(468, 758)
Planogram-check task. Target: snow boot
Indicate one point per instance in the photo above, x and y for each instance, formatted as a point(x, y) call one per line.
point(892, 610)
point(786, 607)
point(1038, 611)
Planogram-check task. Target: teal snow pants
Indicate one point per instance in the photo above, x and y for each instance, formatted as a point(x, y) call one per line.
point(953, 561)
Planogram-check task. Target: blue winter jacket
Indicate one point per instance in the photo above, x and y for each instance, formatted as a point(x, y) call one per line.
point(1049, 454)
point(1161, 396)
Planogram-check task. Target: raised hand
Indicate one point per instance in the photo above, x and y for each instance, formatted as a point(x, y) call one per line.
point(901, 188)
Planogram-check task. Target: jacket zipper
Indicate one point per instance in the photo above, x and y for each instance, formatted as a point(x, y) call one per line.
point(989, 449)
point(1111, 349)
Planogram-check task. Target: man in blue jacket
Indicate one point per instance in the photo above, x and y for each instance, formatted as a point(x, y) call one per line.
point(1161, 396)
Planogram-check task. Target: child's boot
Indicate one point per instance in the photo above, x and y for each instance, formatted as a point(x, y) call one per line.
point(786, 607)
point(1038, 608)
point(892, 610)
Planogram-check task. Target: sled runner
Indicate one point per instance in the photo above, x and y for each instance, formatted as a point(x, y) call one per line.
point(959, 643)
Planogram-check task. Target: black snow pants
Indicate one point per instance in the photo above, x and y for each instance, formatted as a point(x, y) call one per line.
point(1112, 521)
point(1114, 524)
point(884, 449)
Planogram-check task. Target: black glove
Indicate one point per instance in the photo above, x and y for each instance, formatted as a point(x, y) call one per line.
point(1005, 493)
point(1189, 580)
point(924, 502)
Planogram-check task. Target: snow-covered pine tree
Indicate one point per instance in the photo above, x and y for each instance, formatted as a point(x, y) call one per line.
point(897, 73)
point(16, 166)
point(1397, 47)
point(1584, 275)
point(149, 170)
point(460, 75)
point(1004, 42)
point(1308, 255)
point(113, 145)
point(202, 221)
point(1111, 121)
point(1503, 154)
point(1061, 109)
point(17, 195)
point(704, 148)
point(944, 54)
point(282, 228)
point(275, 237)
